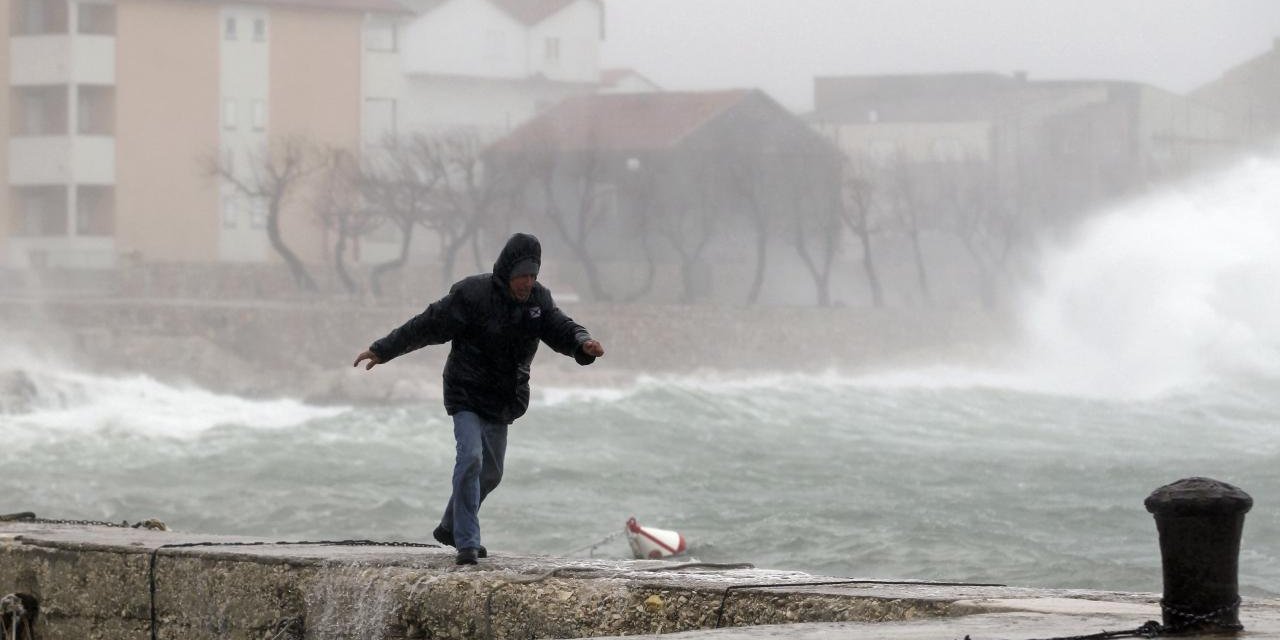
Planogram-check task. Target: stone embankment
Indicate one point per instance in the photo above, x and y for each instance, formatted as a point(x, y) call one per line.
point(304, 350)
point(118, 583)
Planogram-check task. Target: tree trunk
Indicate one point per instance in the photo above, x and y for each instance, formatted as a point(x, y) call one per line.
point(869, 267)
point(375, 277)
point(339, 259)
point(922, 278)
point(301, 277)
point(762, 248)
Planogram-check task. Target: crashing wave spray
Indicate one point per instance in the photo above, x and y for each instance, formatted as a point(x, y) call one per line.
point(1177, 290)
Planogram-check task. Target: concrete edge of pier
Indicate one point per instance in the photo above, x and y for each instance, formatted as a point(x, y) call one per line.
point(108, 583)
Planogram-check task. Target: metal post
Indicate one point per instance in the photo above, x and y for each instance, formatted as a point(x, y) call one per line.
point(1200, 521)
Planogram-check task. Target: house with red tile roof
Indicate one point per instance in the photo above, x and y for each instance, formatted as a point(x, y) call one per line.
point(677, 196)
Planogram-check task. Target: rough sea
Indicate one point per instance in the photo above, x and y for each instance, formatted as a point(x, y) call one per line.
point(1149, 351)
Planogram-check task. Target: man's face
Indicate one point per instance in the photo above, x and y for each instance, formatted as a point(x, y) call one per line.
point(522, 286)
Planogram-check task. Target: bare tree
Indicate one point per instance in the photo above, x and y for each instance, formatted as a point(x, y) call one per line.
point(272, 176)
point(470, 192)
point(575, 204)
point(988, 231)
point(341, 208)
point(858, 209)
point(813, 191)
point(684, 213)
point(749, 179)
point(907, 198)
point(402, 190)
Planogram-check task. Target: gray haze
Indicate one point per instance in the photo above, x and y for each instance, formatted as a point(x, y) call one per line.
point(779, 45)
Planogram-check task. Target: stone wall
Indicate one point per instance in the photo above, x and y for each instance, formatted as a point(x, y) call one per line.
point(305, 349)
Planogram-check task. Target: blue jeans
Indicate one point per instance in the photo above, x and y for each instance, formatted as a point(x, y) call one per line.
point(477, 470)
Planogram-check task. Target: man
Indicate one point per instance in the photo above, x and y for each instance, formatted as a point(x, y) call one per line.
point(494, 322)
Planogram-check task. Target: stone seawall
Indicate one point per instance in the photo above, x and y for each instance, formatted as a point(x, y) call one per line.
point(305, 349)
point(116, 583)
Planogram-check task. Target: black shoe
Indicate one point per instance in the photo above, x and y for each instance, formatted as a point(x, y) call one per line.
point(444, 536)
point(466, 556)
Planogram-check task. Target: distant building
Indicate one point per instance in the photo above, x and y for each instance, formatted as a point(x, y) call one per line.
point(690, 186)
point(114, 110)
point(491, 65)
point(1054, 148)
point(1249, 93)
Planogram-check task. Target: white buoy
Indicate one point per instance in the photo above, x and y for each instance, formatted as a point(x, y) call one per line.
point(653, 543)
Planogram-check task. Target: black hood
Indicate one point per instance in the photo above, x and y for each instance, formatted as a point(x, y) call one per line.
point(521, 246)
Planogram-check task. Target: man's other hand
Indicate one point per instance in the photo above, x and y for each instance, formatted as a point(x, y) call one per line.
point(593, 348)
point(367, 355)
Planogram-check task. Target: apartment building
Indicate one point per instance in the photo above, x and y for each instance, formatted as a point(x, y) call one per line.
point(116, 110)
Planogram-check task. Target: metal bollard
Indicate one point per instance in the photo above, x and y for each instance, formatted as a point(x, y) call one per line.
point(1200, 521)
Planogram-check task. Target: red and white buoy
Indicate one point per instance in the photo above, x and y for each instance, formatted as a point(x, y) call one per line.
point(653, 543)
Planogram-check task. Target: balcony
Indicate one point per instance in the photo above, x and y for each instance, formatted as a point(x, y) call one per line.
point(62, 160)
point(62, 252)
point(61, 58)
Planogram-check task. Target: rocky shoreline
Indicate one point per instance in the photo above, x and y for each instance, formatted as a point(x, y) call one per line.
point(304, 350)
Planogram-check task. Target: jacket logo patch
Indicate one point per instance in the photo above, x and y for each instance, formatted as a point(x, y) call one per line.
point(535, 312)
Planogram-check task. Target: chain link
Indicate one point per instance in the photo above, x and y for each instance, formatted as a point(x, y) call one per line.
point(31, 518)
point(1188, 619)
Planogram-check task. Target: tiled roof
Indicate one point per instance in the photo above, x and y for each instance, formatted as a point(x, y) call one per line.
point(641, 121)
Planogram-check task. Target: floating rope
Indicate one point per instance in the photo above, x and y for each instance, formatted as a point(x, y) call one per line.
point(592, 547)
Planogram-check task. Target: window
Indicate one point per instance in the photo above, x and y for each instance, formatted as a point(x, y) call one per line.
point(258, 214)
point(40, 111)
point(95, 110)
point(259, 30)
point(96, 18)
point(380, 34)
point(259, 115)
point(551, 50)
point(229, 114)
point(35, 17)
point(230, 216)
point(95, 211)
point(42, 211)
point(229, 30)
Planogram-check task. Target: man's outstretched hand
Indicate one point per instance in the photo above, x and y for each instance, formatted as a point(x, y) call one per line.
point(371, 357)
point(593, 348)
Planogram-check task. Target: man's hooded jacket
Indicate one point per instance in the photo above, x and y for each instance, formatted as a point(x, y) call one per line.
point(493, 335)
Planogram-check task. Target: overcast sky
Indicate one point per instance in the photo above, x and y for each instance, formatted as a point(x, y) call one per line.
point(780, 45)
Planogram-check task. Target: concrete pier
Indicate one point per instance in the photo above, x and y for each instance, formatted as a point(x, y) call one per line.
point(100, 582)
